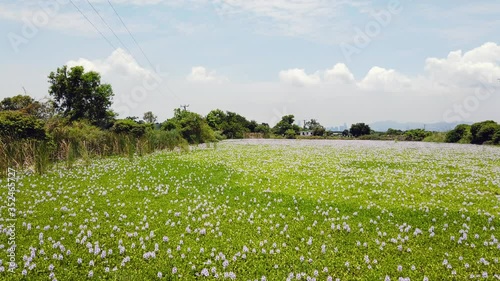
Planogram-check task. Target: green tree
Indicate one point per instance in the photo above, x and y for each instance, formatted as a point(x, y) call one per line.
point(264, 129)
point(486, 133)
point(81, 95)
point(129, 127)
point(290, 134)
point(192, 126)
point(458, 133)
point(393, 132)
point(496, 137)
point(216, 118)
point(359, 129)
point(149, 117)
point(286, 123)
point(314, 126)
point(235, 126)
point(27, 105)
point(416, 135)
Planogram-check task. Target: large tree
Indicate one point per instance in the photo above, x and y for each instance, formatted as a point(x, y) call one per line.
point(314, 126)
point(192, 126)
point(285, 124)
point(483, 131)
point(81, 95)
point(359, 129)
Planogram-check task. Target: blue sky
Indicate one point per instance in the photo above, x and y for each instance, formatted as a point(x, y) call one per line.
point(264, 58)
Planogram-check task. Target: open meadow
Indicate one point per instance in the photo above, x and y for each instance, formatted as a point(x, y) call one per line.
point(261, 210)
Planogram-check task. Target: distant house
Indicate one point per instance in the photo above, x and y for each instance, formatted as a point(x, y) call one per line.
point(306, 133)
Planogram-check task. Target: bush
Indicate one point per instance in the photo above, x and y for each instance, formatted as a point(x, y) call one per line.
point(16, 125)
point(496, 137)
point(416, 135)
point(435, 137)
point(129, 127)
point(290, 134)
point(458, 133)
point(486, 134)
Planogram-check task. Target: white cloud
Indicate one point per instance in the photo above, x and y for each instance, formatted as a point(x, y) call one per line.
point(299, 77)
point(388, 80)
point(339, 74)
point(458, 72)
point(468, 69)
point(201, 74)
point(119, 63)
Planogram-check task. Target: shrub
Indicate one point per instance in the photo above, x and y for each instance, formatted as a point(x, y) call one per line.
point(16, 125)
point(458, 133)
point(486, 134)
point(129, 127)
point(416, 135)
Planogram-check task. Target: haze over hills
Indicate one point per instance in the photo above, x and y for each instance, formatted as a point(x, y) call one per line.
point(382, 126)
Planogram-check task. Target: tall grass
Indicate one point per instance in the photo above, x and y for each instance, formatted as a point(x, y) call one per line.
point(68, 145)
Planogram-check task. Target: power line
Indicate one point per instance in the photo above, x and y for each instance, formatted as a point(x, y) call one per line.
point(112, 45)
point(140, 48)
point(130, 33)
point(95, 27)
point(109, 27)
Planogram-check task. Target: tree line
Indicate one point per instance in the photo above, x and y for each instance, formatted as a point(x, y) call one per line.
point(77, 122)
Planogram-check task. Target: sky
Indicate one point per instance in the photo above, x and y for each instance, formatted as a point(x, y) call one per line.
point(336, 61)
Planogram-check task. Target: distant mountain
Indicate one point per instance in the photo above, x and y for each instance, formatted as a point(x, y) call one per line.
point(382, 126)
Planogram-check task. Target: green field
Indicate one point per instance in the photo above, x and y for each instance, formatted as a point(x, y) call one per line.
point(263, 210)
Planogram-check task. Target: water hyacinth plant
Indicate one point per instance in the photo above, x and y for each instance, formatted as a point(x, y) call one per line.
point(263, 210)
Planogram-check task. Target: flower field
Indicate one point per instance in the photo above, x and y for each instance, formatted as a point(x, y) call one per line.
point(262, 210)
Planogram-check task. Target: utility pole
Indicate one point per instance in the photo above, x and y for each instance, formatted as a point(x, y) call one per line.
point(185, 106)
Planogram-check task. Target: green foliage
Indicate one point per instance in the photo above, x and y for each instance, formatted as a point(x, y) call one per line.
point(192, 126)
point(487, 132)
point(435, 137)
point(284, 125)
point(235, 126)
point(480, 135)
point(16, 125)
point(290, 134)
point(359, 129)
point(129, 127)
point(458, 133)
point(496, 137)
point(263, 129)
point(16, 103)
point(393, 132)
point(416, 135)
point(316, 128)
point(216, 118)
point(27, 105)
point(230, 124)
point(80, 95)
